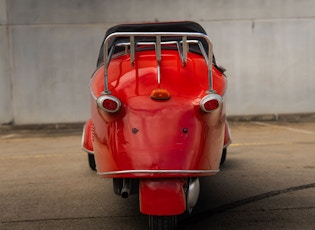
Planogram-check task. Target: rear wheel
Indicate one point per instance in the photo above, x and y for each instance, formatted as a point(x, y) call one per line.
point(223, 156)
point(163, 222)
point(117, 184)
point(91, 160)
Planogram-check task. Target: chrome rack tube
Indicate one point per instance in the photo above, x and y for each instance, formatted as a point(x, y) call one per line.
point(158, 36)
point(132, 50)
point(185, 50)
point(107, 58)
point(158, 57)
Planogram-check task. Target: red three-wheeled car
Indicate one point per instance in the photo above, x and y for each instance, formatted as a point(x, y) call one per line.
point(158, 119)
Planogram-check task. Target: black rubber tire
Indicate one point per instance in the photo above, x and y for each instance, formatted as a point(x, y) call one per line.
point(91, 160)
point(223, 158)
point(117, 185)
point(163, 222)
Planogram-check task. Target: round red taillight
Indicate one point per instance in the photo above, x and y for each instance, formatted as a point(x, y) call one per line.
point(210, 102)
point(108, 103)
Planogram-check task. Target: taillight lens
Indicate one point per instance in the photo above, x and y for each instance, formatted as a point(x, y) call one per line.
point(160, 94)
point(210, 102)
point(108, 103)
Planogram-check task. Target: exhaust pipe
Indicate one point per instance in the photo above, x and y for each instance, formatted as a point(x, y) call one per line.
point(192, 193)
point(125, 191)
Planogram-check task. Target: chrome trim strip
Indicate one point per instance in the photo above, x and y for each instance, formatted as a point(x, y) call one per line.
point(86, 150)
point(157, 172)
point(227, 144)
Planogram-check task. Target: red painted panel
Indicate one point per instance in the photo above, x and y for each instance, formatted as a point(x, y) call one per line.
point(87, 143)
point(169, 134)
point(162, 197)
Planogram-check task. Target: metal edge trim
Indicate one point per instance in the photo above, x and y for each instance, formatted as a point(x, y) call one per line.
point(86, 150)
point(157, 172)
point(227, 144)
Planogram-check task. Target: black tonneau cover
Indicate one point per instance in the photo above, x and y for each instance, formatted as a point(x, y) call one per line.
point(186, 26)
point(158, 27)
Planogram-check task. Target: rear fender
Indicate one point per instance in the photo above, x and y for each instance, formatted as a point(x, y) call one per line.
point(162, 197)
point(227, 135)
point(87, 143)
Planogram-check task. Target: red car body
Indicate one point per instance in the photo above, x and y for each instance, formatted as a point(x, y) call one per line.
point(158, 113)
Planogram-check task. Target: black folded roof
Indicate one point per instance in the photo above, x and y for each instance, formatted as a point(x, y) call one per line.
point(186, 26)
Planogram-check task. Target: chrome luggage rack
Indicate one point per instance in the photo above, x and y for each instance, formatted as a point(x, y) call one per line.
point(182, 43)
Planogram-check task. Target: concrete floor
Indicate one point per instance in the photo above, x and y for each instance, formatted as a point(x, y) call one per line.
point(267, 182)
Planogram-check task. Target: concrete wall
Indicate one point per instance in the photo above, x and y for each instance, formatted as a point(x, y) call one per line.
point(48, 51)
point(6, 111)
